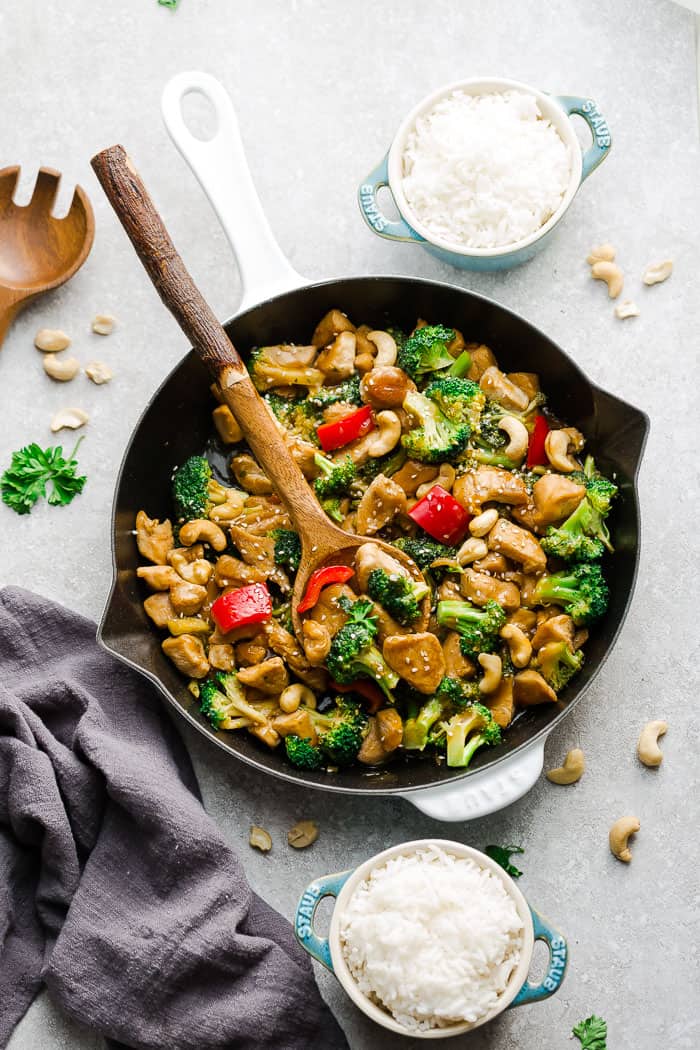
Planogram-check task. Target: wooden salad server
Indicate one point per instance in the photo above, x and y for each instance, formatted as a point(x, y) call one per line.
point(38, 252)
point(322, 542)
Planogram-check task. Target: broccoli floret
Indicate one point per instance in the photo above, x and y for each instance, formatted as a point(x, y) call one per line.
point(396, 593)
point(426, 351)
point(450, 696)
point(386, 465)
point(477, 627)
point(271, 366)
point(336, 478)
point(424, 551)
point(302, 753)
point(194, 489)
point(437, 438)
point(558, 663)
point(600, 491)
point(467, 731)
point(341, 730)
point(582, 537)
point(459, 693)
point(461, 400)
point(287, 549)
point(581, 591)
point(297, 414)
point(333, 509)
point(346, 393)
point(222, 701)
point(353, 655)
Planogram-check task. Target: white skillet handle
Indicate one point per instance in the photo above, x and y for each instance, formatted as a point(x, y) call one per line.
point(485, 792)
point(222, 170)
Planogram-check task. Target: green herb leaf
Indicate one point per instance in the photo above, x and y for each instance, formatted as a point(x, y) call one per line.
point(33, 468)
point(502, 855)
point(593, 1033)
point(169, 3)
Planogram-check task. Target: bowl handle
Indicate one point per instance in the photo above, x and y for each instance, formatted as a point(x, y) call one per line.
point(392, 229)
point(222, 170)
point(558, 959)
point(602, 139)
point(483, 792)
point(326, 886)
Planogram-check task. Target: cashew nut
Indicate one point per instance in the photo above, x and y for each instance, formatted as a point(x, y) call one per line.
point(446, 478)
point(471, 550)
point(576, 438)
point(572, 769)
point(386, 436)
point(627, 308)
point(61, 368)
point(556, 446)
point(519, 438)
point(648, 750)
point(483, 522)
point(103, 324)
point(72, 418)
point(601, 253)
point(204, 530)
point(611, 273)
point(294, 695)
point(98, 372)
point(51, 340)
point(493, 669)
point(386, 348)
point(198, 571)
point(619, 834)
point(658, 272)
point(519, 644)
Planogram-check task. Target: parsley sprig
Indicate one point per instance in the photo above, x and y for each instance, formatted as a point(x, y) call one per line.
point(502, 855)
point(32, 469)
point(593, 1033)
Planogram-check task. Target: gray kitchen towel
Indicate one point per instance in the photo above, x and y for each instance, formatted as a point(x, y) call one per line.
point(117, 891)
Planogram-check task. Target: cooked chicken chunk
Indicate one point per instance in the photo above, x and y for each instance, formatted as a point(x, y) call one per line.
point(412, 475)
point(555, 629)
point(259, 551)
point(482, 358)
point(489, 484)
point(317, 641)
point(329, 326)
point(158, 577)
point(390, 728)
point(221, 657)
point(250, 476)
point(481, 588)
point(501, 703)
point(529, 382)
point(327, 611)
point(187, 653)
point(285, 645)
point(296, 723)
point(232, 572)
point(417, 658)
point(160, 608)
point(371, 556)
point(269, 677)
point(554, 497)
point(337, 361)
point(456, 664)
point(496, 385)
point(517, 544)
point(154, 538)
point(530, 688)
point(381, 503)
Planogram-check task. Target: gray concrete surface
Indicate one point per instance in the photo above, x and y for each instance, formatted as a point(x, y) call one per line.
point(320, 88)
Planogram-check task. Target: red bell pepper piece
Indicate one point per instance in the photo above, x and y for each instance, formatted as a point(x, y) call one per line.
point(345, 430)
point(251, 604)
point(536, 455)
point(323, 578)
point(441, 516)
point(367, 690)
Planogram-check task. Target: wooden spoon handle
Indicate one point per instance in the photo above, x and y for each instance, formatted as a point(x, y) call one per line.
point(9, 305)
point(146, 230)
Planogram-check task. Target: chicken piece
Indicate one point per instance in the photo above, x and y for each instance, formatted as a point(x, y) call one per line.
point(501, 704)
point(285, 645)
point(303, 453)
point(491, 562)
point(580, 638)
point(457, 665)
point(412, 475)
point(517, 544)
point(250, 476)
point(259, 551)
point(337, 361)
point(372, 751)
point(496, 385)
point(327, 612)
point(329, 326)
point(489, 484)
point(154, 538)
point(226, 425)
point(158, 577)
point(187, 653)
point(554, 498)
point(390, 728)
point(530, 688)
point(525, 619)
point(386, 624)
point(381, 503)
point(251, 650)
point(187, 598)
point(482, 358)
point(186, 554)
point(559, 628)
point(417, 658)
point(269, 677)
point(296, 723)
point(262, 514)
point(160, 608)
point(370, 556)
point(480, 588)
point(317, 641)
point(232, 572)
point(529, 382)
point(238, 634)
point(265, 733)
point(221, 657)
point(448, 590)
point(527, 589)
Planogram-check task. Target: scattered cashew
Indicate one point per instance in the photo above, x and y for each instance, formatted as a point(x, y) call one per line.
point(98, 372)
point(204, 530)
point(103, 324)
point(446, 478)
point(648, 750)
point(51, 340)
point(618, 836)
point(386, 348)
point(572, 769)
point(627, 308)
point(655, 273)
point(483, 522)
point(471, 550)
point(386, 436)
point(61, 368)
point(519, 644)
point(303, 834)
point(260, 839)
point(556, 446)
point(294, 695)
point(493, 670)
point(72, 418)
point(601, 253)
point(519, 438)
point(610, 272)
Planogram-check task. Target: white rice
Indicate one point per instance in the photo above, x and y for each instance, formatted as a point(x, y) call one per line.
point(432, 938)
point(482, 171)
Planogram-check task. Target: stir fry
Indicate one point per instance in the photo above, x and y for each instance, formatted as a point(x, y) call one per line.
point(418, 439)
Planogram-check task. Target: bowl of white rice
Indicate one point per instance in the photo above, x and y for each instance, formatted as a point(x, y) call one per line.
point(430, 939)
point(482, 171)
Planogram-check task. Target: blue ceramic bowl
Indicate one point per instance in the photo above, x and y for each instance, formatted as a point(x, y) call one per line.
point(557, 108)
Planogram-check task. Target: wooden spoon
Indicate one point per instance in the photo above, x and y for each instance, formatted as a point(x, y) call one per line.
point(37, 251)
point(322, 542)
